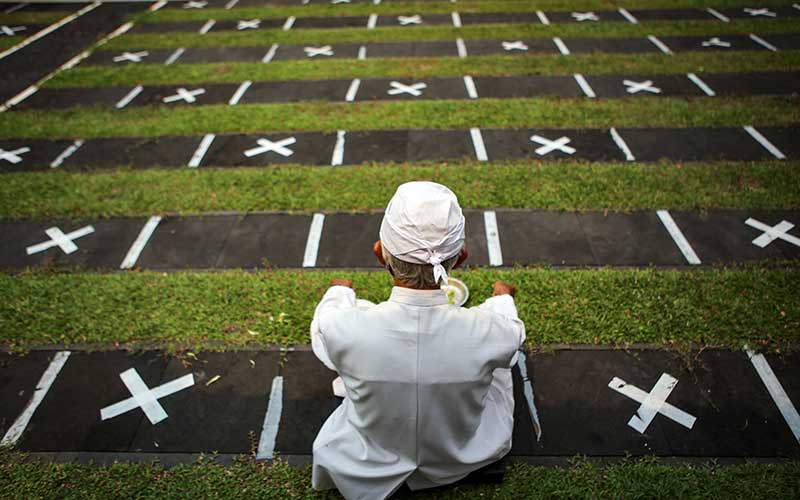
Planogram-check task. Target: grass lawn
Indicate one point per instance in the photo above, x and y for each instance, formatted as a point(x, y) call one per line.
point(21, 17)
point(226, 310)
point(581, 480)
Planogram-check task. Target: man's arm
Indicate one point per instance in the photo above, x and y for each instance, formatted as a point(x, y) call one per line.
point(339, 296)
point(502, 303)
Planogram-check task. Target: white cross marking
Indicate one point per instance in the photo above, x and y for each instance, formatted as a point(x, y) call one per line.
point(327, 50)
point(145, 398)
point(13, 156)
point(339, 1)
point(194, 5)
point(653, 403)
point(248, 25)
point(265, 146)
point(559, 144)
point(184, 95)
point(61, 240)
point(772, 233)
point(585, 16)
point(636, 87)
point(11, 30)
point(131, 56)
point(716, 42)
point(518, 45)
point(406, 20)
point(760, 12)
point(414, 89)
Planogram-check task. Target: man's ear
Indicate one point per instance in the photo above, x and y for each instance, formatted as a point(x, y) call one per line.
point(461, 257)
point(377, 249)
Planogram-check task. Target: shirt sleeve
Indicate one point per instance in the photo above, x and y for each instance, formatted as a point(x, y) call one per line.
point(503, 305)
point(335, 299)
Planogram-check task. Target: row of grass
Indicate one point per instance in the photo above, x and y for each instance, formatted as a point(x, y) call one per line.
point(555, 186)
point(251, 38)
point(156, 121)
point(22, 18)
point(541, 64)
point(728, 307)
point(246, 480)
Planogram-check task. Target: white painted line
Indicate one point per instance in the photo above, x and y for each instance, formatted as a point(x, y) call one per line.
point(561, 46)
point(718, 15)
point(775, 389)
point(207, 27)
point(461, 48)
point(659, 44)
point(145, 398)
point(15, 8)
point(136, 249)
point(59, 239)
point(701, 84)
point(755, 134)
point(542, 18)
point(456, 19)
point(272, 421)
point(678, 237)
point(338, 149)
point(130, 96)
point(372, 21)
point(527, 389)
point(675, 414)
point(66, 154)
point(772, 233)
point(237, 96)
point(492, 238)
point(270, 53)
point(627, 15)
point(763, 42)
point(231, 4)
point(477, 143)
point(16, 429)
point(175, 56)
point(21, 96)
point(362, 52)
point(469, 83)
point(157, 6)
point(796, 6)
point(584, 85)
point(312, 243)
point(622, 145)
point(289, 23)
point(352, 91)
point(46, 31)
point(201, 150)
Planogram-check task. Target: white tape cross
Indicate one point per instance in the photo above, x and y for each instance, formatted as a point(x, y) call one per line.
point(58, 239)
point(652, 403)
point(145, 398)
point(772, 233)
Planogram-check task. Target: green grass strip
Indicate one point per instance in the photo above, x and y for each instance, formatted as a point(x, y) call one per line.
point(231, 309)
point(308, 69)
point(637, 479)
point(263, 38)
point(155, 121)
point(555, 186)
point(22, 18)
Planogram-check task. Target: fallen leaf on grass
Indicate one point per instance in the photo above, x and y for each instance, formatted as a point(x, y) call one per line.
point(213, 379)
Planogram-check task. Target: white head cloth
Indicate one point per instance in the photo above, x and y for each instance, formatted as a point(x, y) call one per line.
point(423, 224)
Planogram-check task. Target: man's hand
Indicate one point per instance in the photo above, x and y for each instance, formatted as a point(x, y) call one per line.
point(342, 282)
point(501, 288)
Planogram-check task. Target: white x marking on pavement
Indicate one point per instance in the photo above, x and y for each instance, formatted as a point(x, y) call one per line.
point(585, 16)
point(559, 144)
point(518, 45)
point(195, 5)
point(13, 156)
point(414, 89)
point(652, 403)
point(145, 398)
point(265, 146)
point(339, 1)
point(11, 30)
point(716, 42)
point(772, 233)
point(61, 240)
point(327, 50)
point(248, 25)
point(406, 20)
point(760, 12)
point(184, 95)
point(131, 56)
point(636, 87)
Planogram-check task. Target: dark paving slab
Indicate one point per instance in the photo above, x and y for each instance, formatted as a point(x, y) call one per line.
point(266, 240)
point(215, 54)
point(211, 94)
point(69, 417)
point(718, 43)
point(309, 148)
point(500, 18)
point(610, 45)
point(106, 247)
point(593, 145)
point(570, 17)
point(406, 145)
point(20, 30)
point(39, 156)
point(425, 19)
point(539, 237)
point(347, 240)
point(168, 27)
point(313, 51)
point(330, 22)
point(693, 144)
point(775, 83)
point(438, 145)
point(49, 98)
point(645, 15)
point(476, 238)
point(106, 57)
point(784, 41)
point(661, 85)
point(636, 239)
point(19, 375)
point(785, 139)
point(294, 91)
point(488, 47)
point(780, 12)
point(523, 437)
point(187, 243)
point(224, 416)
point(135, 152)
point(526, 86)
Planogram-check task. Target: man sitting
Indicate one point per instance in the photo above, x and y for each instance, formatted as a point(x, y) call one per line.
point(428, 392)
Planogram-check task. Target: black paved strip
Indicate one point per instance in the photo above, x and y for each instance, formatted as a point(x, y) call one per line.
point(388, 89)
point(258, 240)
point(579, 413)
point(231, 4)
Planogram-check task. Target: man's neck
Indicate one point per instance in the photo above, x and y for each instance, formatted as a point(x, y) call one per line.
point(402, 284)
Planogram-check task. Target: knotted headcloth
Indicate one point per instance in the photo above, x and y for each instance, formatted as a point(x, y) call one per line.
point(423, 224)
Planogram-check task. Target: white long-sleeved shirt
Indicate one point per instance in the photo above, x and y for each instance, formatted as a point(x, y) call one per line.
point(429, 395)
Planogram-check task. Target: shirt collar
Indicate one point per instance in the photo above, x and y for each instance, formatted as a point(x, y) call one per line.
point(423, 298)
